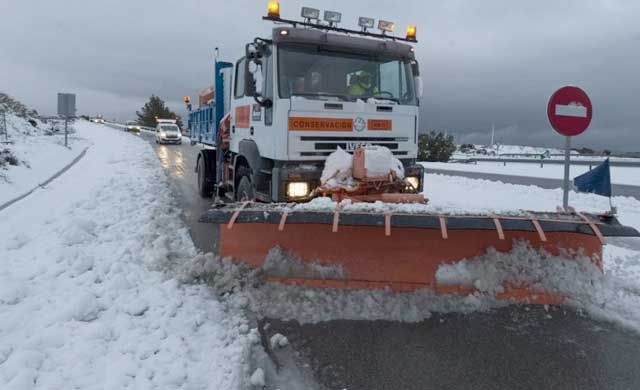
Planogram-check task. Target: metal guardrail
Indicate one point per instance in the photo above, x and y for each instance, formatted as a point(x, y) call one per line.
point(121, 126)
point(47, 181)
point(592, 163)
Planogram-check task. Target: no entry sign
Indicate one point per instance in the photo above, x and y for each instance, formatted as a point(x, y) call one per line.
point(570, 111)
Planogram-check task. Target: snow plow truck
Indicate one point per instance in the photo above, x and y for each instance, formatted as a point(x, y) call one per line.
point(313, 89)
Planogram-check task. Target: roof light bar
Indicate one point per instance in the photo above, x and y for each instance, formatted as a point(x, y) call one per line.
point(331, 19)
point(366, 23)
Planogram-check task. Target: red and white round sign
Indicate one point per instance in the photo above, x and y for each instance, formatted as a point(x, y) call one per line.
point(570, 111)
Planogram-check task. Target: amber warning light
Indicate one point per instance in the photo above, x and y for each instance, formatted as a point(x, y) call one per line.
point(273, 9)
point(411, 32)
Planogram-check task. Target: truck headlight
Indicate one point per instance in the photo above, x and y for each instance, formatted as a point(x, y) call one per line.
point(413, 181)
point(297, 189)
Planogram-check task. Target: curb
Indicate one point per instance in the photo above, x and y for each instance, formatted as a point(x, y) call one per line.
point(46, 182)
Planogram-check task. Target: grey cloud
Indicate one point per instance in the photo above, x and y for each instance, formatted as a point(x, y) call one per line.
point(490, 62)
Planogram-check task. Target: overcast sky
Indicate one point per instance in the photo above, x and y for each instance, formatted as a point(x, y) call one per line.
point(484, 62)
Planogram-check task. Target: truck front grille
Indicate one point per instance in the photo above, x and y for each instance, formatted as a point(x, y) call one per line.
point(318, 154)
point(334, 146)
point(358, 139)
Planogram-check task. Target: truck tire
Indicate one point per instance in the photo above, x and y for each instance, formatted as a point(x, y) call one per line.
point(203, 171)
point(245, 190)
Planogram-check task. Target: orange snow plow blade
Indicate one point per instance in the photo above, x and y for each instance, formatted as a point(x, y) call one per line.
point(402, 252)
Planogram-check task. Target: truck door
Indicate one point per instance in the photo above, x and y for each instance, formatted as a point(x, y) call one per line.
point(250, 120)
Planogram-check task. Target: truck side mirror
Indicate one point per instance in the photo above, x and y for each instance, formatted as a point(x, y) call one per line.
point(253, 79)
point(417, 79)
point(419, 87)
point(253, 82)
point(249, 80)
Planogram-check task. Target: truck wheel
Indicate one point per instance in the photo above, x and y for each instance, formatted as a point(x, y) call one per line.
point(205, 188)
point(245, 190)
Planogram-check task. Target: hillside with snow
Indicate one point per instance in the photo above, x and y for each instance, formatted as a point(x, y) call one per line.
point(31, 151)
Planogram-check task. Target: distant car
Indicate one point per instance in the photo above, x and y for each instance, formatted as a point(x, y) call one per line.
point(98, 120)
point(132, 127)
point(168, 133)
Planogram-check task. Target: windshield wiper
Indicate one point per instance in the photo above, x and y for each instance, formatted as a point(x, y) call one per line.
point(391, 99)
point(319, 95)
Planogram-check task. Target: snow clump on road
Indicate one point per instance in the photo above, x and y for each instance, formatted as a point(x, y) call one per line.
point(87, 294)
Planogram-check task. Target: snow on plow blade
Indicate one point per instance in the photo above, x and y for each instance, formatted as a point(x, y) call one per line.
point(402, 251)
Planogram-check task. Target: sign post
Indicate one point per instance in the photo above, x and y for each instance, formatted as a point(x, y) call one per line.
point(567, 173)
point(570, 112)
point(3, 125)
point(66, 109)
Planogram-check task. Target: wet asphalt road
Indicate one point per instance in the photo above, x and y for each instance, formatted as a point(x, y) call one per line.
point(179, 162)
point(511, 348)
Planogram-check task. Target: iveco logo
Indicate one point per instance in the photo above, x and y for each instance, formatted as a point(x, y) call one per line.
point(359, 124)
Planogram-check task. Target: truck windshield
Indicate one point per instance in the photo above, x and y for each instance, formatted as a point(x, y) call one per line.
point(320, 74)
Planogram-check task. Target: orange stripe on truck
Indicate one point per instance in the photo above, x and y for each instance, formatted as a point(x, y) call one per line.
point(243, 117)
point(320, 124)
point(379, 124)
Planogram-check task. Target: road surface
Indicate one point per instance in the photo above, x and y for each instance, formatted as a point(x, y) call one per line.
point(512, 348)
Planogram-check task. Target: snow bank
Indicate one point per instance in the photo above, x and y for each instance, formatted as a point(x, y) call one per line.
point(619, 175)
point(456, 195)
point(607, 296)
point(87, 297)
point(612, 296)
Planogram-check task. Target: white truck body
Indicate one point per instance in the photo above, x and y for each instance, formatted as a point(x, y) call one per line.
point(305, 95)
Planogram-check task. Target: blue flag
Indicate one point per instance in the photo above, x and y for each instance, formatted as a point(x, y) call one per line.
point(597, 180)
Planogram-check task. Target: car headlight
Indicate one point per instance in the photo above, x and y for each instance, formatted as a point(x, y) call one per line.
point(162, 134)
point(297, 189)
point(413, 181)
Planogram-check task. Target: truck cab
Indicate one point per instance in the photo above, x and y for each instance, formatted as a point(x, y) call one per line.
point(298, 95)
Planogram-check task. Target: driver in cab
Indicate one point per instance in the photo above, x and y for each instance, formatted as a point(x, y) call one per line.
point(362, 85)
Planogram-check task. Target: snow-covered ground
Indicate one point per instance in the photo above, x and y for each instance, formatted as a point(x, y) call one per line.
point(619, 175)
point(513, 149)
point(529, 152)
point(97, 279)
point(88, 293)
point(40, 156)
